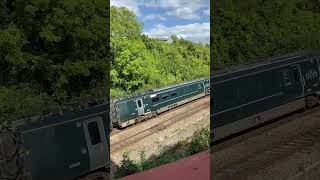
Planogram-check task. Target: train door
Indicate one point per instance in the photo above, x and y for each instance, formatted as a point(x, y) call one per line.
point(96, 142)
point(318, 65)
point(204, 86)
point(140, 106)
point(311, 76)
point(297, 80)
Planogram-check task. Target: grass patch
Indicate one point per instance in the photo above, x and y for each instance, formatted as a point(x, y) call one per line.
point(198, 143)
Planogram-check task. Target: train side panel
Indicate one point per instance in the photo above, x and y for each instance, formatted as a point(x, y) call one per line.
point(135, 109)
point(178, 96)
point(127, 110)
point(255, 96)
point(57, 152)
point(67, 146)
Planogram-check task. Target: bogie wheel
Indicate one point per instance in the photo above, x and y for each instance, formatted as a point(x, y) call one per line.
point(97, 176)
point(311, 101)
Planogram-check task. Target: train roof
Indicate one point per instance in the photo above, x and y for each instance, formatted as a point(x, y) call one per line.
point(40, 121)
point(177, 85)
point(158, 90)
point(219, 70)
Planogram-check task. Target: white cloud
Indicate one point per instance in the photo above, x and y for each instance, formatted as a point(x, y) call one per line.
point(154, 17)
point(206, 12)
point(184, 13)
point(132, 5)
point(196, 32)
point(184, 9)
point(174, 3)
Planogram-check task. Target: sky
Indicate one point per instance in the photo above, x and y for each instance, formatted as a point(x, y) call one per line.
point(189, 19)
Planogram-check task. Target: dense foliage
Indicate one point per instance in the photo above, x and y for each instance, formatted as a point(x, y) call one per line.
point(140, 63)
point(244, 30)
point(52, 52)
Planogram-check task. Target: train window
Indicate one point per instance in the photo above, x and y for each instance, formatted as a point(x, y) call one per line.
point(173, 94)
point(286, 77)
point(139, 103)
point(164, 96)
point(155, 99)
point(94, 133)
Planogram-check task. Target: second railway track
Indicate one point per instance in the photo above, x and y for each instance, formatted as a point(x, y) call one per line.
point(256, 153)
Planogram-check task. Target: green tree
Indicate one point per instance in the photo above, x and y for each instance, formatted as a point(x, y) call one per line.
point(56, 48)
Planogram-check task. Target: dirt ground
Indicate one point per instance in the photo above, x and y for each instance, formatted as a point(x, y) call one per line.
point(164, 130)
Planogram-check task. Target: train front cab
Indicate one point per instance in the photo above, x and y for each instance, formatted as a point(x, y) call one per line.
point(68, 146)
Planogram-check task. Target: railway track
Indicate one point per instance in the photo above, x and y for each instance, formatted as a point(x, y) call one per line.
point(96, 176)
point(139, 135)
point(244, 167)
point(116, 131)
point(254, 154)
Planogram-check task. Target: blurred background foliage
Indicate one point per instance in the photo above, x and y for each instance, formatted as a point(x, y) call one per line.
point(245, 30)
point(53, 52)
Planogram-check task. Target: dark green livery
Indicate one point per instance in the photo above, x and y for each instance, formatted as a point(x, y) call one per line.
point(243, 97)
point(134, 109)
point(64, 146)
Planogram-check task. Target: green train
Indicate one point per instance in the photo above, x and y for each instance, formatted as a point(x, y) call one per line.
point(68, 146)
point(248, 95)
point(131, 110)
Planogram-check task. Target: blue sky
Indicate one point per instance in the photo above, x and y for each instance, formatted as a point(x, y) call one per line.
point(189, 19)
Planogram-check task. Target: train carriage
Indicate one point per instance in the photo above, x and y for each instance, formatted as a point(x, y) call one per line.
point(127, 111)
point(65, 146)
point(246, 96)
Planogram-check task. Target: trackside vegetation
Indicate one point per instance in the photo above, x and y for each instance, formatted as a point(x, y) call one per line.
point(199, 142)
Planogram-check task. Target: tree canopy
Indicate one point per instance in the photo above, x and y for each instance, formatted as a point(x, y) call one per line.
point(52, 51)
point(245, 30)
